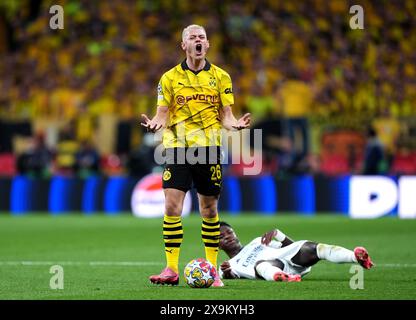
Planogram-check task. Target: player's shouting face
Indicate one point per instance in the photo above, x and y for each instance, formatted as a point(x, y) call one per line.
point(195, 43)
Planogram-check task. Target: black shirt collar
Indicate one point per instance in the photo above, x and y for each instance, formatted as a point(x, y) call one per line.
point(207, 66)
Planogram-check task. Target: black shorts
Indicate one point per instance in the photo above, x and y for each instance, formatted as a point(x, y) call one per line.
point(201, 169)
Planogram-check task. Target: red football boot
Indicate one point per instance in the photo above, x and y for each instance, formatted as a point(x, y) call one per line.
point(218, 282)
point(167, 276)
point(363, 258)
point(284, 277)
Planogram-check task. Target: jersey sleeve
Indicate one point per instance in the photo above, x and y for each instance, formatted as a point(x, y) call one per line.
point(226, 90)
point(275, 244)
point(164, 92)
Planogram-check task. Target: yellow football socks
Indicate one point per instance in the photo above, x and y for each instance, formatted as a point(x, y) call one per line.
point(172, 236)
point(211, 237)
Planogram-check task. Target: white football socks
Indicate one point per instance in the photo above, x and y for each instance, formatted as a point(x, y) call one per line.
point(335, 254)
point(267, 271)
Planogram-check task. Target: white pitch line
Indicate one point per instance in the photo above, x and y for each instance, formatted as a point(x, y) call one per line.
point(81, 263)
point(397, 265)
point(142, 263)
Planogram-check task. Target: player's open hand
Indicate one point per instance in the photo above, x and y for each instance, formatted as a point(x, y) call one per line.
point(152, 125)
point(243, 122)
point(268, 237)
point(226, 270)
point(225, 266)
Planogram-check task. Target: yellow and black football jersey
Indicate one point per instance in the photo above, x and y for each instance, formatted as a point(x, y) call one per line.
point(194, 100)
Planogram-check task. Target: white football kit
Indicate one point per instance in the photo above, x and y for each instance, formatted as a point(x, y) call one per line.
point(242, 265)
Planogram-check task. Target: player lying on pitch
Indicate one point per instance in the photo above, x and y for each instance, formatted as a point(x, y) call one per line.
point(275, 257)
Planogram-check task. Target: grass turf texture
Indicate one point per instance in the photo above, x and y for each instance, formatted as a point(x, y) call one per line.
point(74, 241)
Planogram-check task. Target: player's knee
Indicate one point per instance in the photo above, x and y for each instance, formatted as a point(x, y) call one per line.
point(307, 255)
point(310, 248)
point(208, 209)
point(208, 212)
point(173, 208)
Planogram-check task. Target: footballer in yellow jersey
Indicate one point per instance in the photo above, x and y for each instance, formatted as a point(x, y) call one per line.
point(194, 104)
point(194, 100)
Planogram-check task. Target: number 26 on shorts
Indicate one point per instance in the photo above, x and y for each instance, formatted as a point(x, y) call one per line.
point(216, 172)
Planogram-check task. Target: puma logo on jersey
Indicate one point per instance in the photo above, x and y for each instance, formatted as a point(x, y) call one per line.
point(170, 251)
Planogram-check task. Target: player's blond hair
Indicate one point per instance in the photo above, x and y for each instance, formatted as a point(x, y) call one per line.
point(191, 26)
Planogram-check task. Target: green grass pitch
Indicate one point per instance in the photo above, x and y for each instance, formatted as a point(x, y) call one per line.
point(111, 257)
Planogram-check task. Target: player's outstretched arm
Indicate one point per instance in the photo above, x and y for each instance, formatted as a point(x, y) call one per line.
point(159, 120)
point(229, 121)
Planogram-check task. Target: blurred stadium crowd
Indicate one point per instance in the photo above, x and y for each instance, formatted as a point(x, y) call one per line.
point(73, 97)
